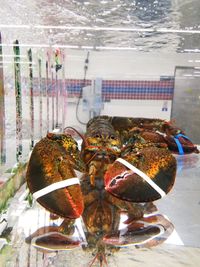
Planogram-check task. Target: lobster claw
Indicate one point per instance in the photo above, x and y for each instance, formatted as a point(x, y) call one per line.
point(181, 144)
point(149, 179)
point(51, 175)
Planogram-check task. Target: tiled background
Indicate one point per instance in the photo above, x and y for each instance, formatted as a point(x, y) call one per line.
point(127, 89)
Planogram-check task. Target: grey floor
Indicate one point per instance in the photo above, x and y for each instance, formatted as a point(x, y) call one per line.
point(182, 204)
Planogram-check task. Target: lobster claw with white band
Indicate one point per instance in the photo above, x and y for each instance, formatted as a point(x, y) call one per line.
point(142, 175)
point(55, 186)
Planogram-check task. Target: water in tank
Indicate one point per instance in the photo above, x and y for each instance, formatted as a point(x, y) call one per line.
point(63, 63)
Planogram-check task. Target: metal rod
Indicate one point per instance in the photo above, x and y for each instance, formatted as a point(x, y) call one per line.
point(52, 96)
point(18, 97)
point(40, 94)
point(57, 96)
point(47, 94)
point(64, 94)
point(58, 66)
point(31, 96)
point(2, 111)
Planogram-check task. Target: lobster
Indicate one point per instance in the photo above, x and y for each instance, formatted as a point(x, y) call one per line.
point(125, 165)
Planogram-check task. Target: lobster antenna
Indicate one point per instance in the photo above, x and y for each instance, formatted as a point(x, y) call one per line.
point(105, 261)
point(91, 158)
point(93, 260)
point(101, 261)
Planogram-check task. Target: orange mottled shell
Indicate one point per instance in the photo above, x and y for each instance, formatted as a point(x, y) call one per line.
point(157, 163)
point(49, 163)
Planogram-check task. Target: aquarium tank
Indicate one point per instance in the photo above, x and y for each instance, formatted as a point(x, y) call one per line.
point(99, 133)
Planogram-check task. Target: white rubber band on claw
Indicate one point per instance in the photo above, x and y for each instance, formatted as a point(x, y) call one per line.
point(143, 175)
point(55, 186)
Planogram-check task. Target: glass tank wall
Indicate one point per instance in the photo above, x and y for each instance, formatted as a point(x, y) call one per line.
point(63, 63)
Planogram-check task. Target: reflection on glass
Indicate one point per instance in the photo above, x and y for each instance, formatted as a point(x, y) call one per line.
point(100, 240)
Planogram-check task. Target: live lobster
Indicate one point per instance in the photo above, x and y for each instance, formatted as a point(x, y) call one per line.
point(126, 164)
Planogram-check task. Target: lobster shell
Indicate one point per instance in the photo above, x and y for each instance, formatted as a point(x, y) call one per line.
point(159, 164)
point(49, 163)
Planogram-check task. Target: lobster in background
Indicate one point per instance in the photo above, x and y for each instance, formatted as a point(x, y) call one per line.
point(126, 163)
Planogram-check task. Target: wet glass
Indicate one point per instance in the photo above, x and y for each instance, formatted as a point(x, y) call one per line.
point(40, 89)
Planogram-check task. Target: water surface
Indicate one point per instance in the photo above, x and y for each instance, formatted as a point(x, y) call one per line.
point(137, 14)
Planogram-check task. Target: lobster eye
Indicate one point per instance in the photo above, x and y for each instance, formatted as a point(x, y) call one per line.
point(97, 135)
point(54, 137)
point(112, 137)
point(60, 158)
